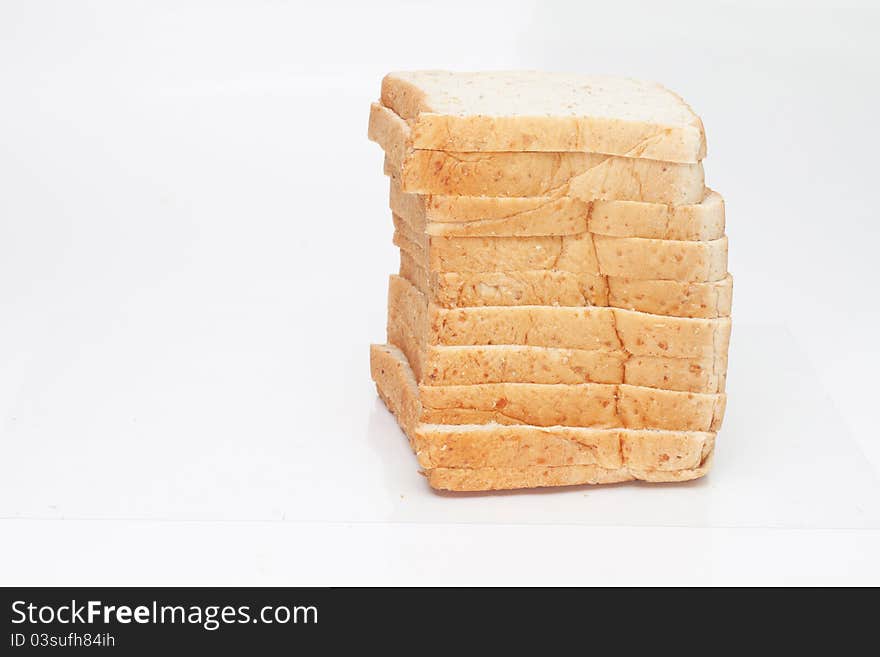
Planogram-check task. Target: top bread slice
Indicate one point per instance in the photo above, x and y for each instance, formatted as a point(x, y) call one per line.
point(535, 111)
point(582, 175)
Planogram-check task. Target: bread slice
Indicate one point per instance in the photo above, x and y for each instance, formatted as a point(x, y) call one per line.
point(599, 405)
point(491, 216)
point(464, 365)
point(521, 446)
point(585, 176)
point(560, 288)
point(626, 257)
point(534, 111)
point(609, 329)
point(442, 365)
point(504, 455)
point(473, 480)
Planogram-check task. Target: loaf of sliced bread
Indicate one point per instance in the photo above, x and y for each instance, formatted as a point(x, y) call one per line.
point(585, 176)
point(562, 311)
point(499, 452)
point(535, 111)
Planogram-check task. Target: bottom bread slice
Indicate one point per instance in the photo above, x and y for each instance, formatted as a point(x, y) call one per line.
point(492, 456)
point(485, 479)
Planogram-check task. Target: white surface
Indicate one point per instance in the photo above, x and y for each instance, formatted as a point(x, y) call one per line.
point(194, 244)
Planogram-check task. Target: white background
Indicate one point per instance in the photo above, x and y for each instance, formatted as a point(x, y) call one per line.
point(194, 244)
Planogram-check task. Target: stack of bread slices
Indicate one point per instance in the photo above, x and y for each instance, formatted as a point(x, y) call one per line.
point(561, 313)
